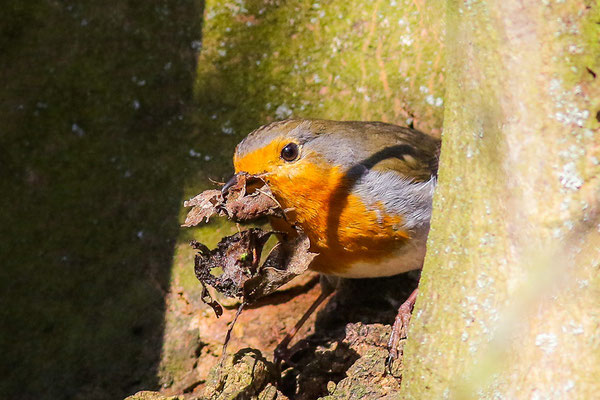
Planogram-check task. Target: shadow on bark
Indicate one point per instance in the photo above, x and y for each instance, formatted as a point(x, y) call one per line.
point(94, 111)
point(326, 355)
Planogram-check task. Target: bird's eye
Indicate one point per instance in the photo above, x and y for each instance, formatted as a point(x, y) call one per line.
point(289, 152)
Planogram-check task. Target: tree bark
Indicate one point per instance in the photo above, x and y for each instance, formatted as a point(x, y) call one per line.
point(261, 61)
point(509, 303)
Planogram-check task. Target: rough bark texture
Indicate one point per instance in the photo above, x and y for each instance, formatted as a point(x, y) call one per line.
point(263, 60)
point(509, 302)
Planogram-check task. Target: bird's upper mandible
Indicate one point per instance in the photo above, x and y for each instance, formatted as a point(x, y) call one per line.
point(358, 189)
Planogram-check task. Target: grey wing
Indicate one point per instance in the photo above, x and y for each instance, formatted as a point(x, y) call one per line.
point(393, 166)
point(379, 146)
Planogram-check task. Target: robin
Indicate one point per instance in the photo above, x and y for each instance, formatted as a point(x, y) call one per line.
point(361, 191)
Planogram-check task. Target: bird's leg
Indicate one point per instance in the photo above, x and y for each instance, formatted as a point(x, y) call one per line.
point(282, 351)
point(400, 326)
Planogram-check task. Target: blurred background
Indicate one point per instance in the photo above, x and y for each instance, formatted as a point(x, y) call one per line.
point(113, 113)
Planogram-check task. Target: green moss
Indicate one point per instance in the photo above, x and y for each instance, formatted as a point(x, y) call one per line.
point(518, 122)
point(146, 395)
point(268, 60)
point(101, 141)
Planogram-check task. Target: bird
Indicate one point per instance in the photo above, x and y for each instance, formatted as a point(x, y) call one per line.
point(361, 191)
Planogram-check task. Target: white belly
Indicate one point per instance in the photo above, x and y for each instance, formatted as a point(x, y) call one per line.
point(409, 258)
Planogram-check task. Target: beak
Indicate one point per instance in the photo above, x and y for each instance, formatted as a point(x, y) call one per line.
point(231, 182)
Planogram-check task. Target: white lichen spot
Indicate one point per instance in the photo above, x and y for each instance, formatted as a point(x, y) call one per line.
point(439, 102)
point(573, 328)
point(336, 45)
point(473, 348)
point(283, 111)
point(486, 239)
point(583, 283)
point(210, 14)
point(226, 128)
point(423, 89)
point(76, 129)
point(547, 342)
point(464, 337)
point(569, 177)
point(429, 99)
point(194, 153)
point(136, 105)
point(574, 49)
point(469, 152)
point(483, 281)
point(569, 385)
point(568, 224)
point(196, 45)
point(406, 40)
point(557, 233)
point(567, 112)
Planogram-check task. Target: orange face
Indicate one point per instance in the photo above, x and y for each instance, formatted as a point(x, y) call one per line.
point(343, 228)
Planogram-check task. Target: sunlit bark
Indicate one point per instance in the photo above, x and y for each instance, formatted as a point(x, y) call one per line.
point(509, 305)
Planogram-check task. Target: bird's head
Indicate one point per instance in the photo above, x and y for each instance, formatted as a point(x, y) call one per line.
point(304, 165)
point(278, 151)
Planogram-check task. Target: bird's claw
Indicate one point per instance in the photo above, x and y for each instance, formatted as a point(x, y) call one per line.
point(399, 329)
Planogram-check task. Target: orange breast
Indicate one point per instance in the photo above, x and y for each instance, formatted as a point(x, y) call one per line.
point(341, 227)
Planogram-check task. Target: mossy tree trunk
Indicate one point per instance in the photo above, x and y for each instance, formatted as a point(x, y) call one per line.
point(265, 60)
point(510, 294)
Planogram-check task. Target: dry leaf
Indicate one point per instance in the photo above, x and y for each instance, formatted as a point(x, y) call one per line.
point(233, 269)
point(285, 261)
point(232, 262)
point(247, 199)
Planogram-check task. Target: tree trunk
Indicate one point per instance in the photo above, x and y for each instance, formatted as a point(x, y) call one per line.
point(509, 305)
point(266, 60)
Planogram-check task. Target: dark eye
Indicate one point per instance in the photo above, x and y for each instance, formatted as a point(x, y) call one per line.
point(289, 152)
